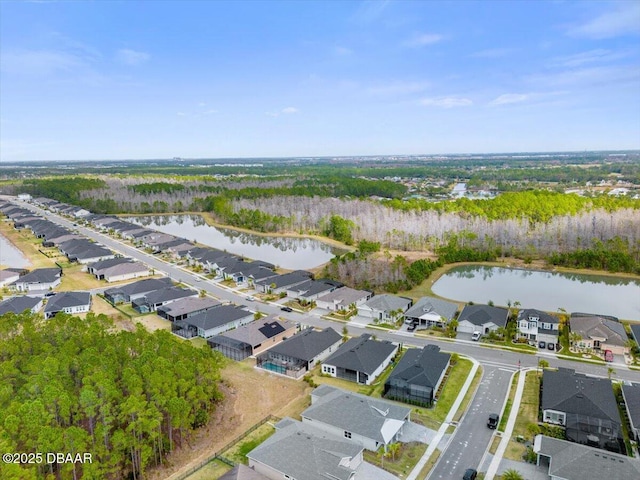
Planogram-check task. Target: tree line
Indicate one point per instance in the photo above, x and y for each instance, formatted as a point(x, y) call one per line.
point(74, 385)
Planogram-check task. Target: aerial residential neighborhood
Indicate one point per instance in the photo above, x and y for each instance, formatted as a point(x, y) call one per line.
point(284, 344)
point(320, 240)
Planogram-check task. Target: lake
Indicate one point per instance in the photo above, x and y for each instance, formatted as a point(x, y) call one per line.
point(10, 256)
point(285, 252)
point(548, 291)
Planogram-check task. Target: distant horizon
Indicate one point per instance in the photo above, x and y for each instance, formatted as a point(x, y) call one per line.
point(325, 157)
point(92, 81)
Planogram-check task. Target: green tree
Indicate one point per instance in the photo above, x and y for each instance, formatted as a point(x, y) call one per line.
point(512, 474)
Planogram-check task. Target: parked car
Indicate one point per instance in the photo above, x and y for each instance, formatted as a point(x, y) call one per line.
point(286, 309)
point(551, 346)
point(251, 298)
point(476, 336)
point(411, 327)
point(608, 356)
point(492, 423)
point(470, 474)
point(542, 344)
point(49, 294)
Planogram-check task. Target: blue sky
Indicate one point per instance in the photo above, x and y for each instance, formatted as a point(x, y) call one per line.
point(117, 80)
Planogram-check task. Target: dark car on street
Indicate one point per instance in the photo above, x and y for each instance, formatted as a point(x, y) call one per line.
point(286, 309)
point(470, 474)
point(492, 423)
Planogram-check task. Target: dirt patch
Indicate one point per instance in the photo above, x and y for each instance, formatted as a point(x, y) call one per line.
point(250, 396)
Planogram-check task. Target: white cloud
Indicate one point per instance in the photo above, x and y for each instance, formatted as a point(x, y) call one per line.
point(625, 20)
point(398, 88)
point(446, 102)
point(493, 53)
point(39, 62)
point(509, 98)
point(591, 56)
point(289, 110)
point(420, 40)
point(127, 56)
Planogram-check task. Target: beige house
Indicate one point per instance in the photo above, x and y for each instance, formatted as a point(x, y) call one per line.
point(599, 334)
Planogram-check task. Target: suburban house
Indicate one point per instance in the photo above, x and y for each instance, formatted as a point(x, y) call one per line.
point(571, 461)
point(39, 279)
point(367, 421)
point(67, 302)
point(153, 300)
point(300, 451)
point(252, 338)
point(281, 283)
point(90, 254)
point(242, 472)
point(585, 406)
point(342, 299)
point(431, 312)
point(21, 304)
point(213, 321)
point(384, 308)
point(482, 318)
point(418, 376)
point(310, 290)
point(635, 332)
point(187, 307)
point(599, 333)
point(537, 326)
point(297, 355)
point(132, 291)
point(631, 395)
point(118, 269)
point(360, 359)
point(8, 276)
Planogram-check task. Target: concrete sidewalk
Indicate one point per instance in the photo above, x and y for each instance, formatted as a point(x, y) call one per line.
point(413, 475)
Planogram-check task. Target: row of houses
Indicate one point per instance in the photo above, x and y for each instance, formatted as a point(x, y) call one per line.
point(67, 302)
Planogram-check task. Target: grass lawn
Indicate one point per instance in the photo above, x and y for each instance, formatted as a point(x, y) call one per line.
point(527, 414)
point(238, 452)
point(211, 470)
point(153, 322)
point(452, 387)
point(430, 464)
point(73, 278)
point(507, 408)
point(494, 444)
point(405, 459)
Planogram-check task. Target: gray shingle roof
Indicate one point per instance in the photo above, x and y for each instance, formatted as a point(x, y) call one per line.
point(64, 300)
point(388, 303)
point(141, 286)
point(345, 296)
point(598, 327)
point(111, 262)
point(570, 392)
point(18, 304)
point(482, 314)
point(427, 305)
point(189, 305)
point(307, 344)
point(242, 472)
point(166, 294)
point(306, 453)
point(287, 279)
point(41, 275)
point(355, 413)
point(421, 366)
point(574, 461)
point(632, 400)
point(218, 316)
point(635, 332)
point(254, 333)
point(362, 354)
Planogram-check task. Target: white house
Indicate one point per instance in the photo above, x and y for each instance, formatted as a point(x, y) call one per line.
point(342, 299)
point(537, 326)
point(68, 302)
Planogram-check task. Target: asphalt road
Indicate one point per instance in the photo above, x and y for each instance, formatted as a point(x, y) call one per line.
point(471, 439)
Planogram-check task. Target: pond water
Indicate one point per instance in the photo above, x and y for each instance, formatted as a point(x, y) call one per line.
point(10, 256)
point(548, 291)
point(285, 252)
